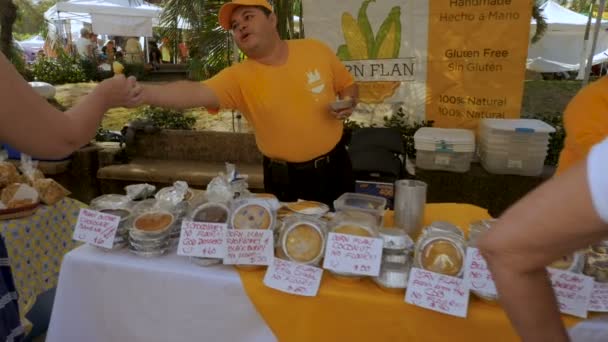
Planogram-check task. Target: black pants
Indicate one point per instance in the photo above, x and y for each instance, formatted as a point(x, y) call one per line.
point(322, 179)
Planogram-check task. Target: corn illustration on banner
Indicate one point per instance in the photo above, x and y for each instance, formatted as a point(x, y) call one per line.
point(450, 61)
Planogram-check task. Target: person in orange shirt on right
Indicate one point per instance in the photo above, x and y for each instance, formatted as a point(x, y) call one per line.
point(585, 123)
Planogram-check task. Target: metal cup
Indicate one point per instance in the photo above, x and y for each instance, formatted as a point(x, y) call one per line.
point(410, 199)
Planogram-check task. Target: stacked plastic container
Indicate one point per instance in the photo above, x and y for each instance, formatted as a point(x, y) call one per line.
point(448, 149)
point(514, 146)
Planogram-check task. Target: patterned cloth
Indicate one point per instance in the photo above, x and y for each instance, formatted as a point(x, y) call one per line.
point(10, 322)
point(36, 245)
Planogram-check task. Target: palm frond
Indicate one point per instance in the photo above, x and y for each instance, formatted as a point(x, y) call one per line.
point(541, 23)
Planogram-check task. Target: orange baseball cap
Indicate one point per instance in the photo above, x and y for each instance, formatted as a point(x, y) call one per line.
point(226, 10)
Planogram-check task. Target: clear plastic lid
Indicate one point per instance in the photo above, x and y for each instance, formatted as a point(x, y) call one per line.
point(354, 222)
point(110, 201)
point(441, 251)
point(302, 240)
point(517, 125)
point(370, 204)
point(476, 228)
point(446, 137)
point(252, 213)
point(210, 212)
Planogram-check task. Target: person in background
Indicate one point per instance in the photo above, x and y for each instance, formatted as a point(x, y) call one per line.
point(585, 123)
point(184, 53)
point(31, 125)
point(83, 45)
point(154, 55)
point(95, 44)
point(565, 214)
point(133, 52)
point(109, 51)
point(284, 89)
point(165, 51)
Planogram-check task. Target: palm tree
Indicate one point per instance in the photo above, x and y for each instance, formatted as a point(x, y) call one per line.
point(541, 22)
point(8, 15)
point(211, 47)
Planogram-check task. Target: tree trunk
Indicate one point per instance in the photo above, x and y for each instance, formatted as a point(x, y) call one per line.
point(8, 15)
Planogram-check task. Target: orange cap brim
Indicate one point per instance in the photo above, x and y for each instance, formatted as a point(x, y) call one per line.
point(226, 14)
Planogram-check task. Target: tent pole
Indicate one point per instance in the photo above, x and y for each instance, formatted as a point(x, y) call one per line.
point(583, 65)
point(596, 30)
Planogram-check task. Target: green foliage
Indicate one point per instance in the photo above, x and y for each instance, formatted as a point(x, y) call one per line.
point(165, 118)
point(18, 61)
point(400, 122)
point(211, 47)
point(556, 140)
point(64, 69)
point(30, 18)
point(408, 129)
point(89, 68)
point(136, 70)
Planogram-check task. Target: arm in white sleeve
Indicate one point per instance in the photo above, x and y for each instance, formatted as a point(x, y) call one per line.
point(597, 175)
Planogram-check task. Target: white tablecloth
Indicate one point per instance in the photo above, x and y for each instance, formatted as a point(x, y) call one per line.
point(116, 296)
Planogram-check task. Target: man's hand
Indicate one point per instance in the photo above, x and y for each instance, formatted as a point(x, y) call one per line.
point(120, 91)
point(343, 109)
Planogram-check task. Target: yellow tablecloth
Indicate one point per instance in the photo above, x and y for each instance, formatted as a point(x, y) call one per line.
point(361, 311)
point(36, 245)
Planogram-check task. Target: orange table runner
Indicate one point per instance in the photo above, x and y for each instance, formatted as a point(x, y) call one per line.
point(361, 311)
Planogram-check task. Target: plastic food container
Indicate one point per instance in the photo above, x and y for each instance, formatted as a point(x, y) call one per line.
point(373, 205)
point(447, 149)
point(302, 240)
point(441, 251)
point(353, 223)
point(514, 146)
point(393, 277)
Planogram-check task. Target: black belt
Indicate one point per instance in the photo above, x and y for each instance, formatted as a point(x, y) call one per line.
point(316, 163)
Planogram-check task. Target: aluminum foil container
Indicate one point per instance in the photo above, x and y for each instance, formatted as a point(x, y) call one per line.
point(396, 256)
point(205, 261)
point(396, 239)
point(393, 276)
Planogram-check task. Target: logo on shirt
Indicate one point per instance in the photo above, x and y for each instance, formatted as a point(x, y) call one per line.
point(315, 83)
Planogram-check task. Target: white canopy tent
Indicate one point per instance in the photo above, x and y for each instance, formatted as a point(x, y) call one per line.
point(111, 17)
point(562, 47)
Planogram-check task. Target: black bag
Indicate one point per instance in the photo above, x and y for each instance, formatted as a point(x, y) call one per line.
point(377, 154)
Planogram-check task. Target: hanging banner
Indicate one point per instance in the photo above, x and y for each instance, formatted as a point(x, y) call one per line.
point(450, 61)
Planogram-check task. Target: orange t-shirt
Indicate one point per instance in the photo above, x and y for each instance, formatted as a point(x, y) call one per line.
point(288, 105)
point(585, 123)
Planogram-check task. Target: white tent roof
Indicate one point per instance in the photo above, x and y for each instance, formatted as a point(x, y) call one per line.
point(560, 18)
point(562, 47)
point(113, 17)
point(110, 7)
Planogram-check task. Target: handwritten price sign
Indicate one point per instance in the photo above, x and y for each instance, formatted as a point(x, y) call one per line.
point(437, 292)
point(573, 291)
point(201, 239)
point(599, 298)
point(249, 247)
point(290, 277)
point(477, 276)
point(353, 254)
point(96, 228)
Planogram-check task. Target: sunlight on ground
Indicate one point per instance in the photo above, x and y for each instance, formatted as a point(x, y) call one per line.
point(69, 94)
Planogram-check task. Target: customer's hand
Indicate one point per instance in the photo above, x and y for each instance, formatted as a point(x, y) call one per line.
point(120, 91)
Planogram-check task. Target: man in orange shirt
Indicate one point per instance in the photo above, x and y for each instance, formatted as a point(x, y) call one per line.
point(284, 89)
point(585, 123)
